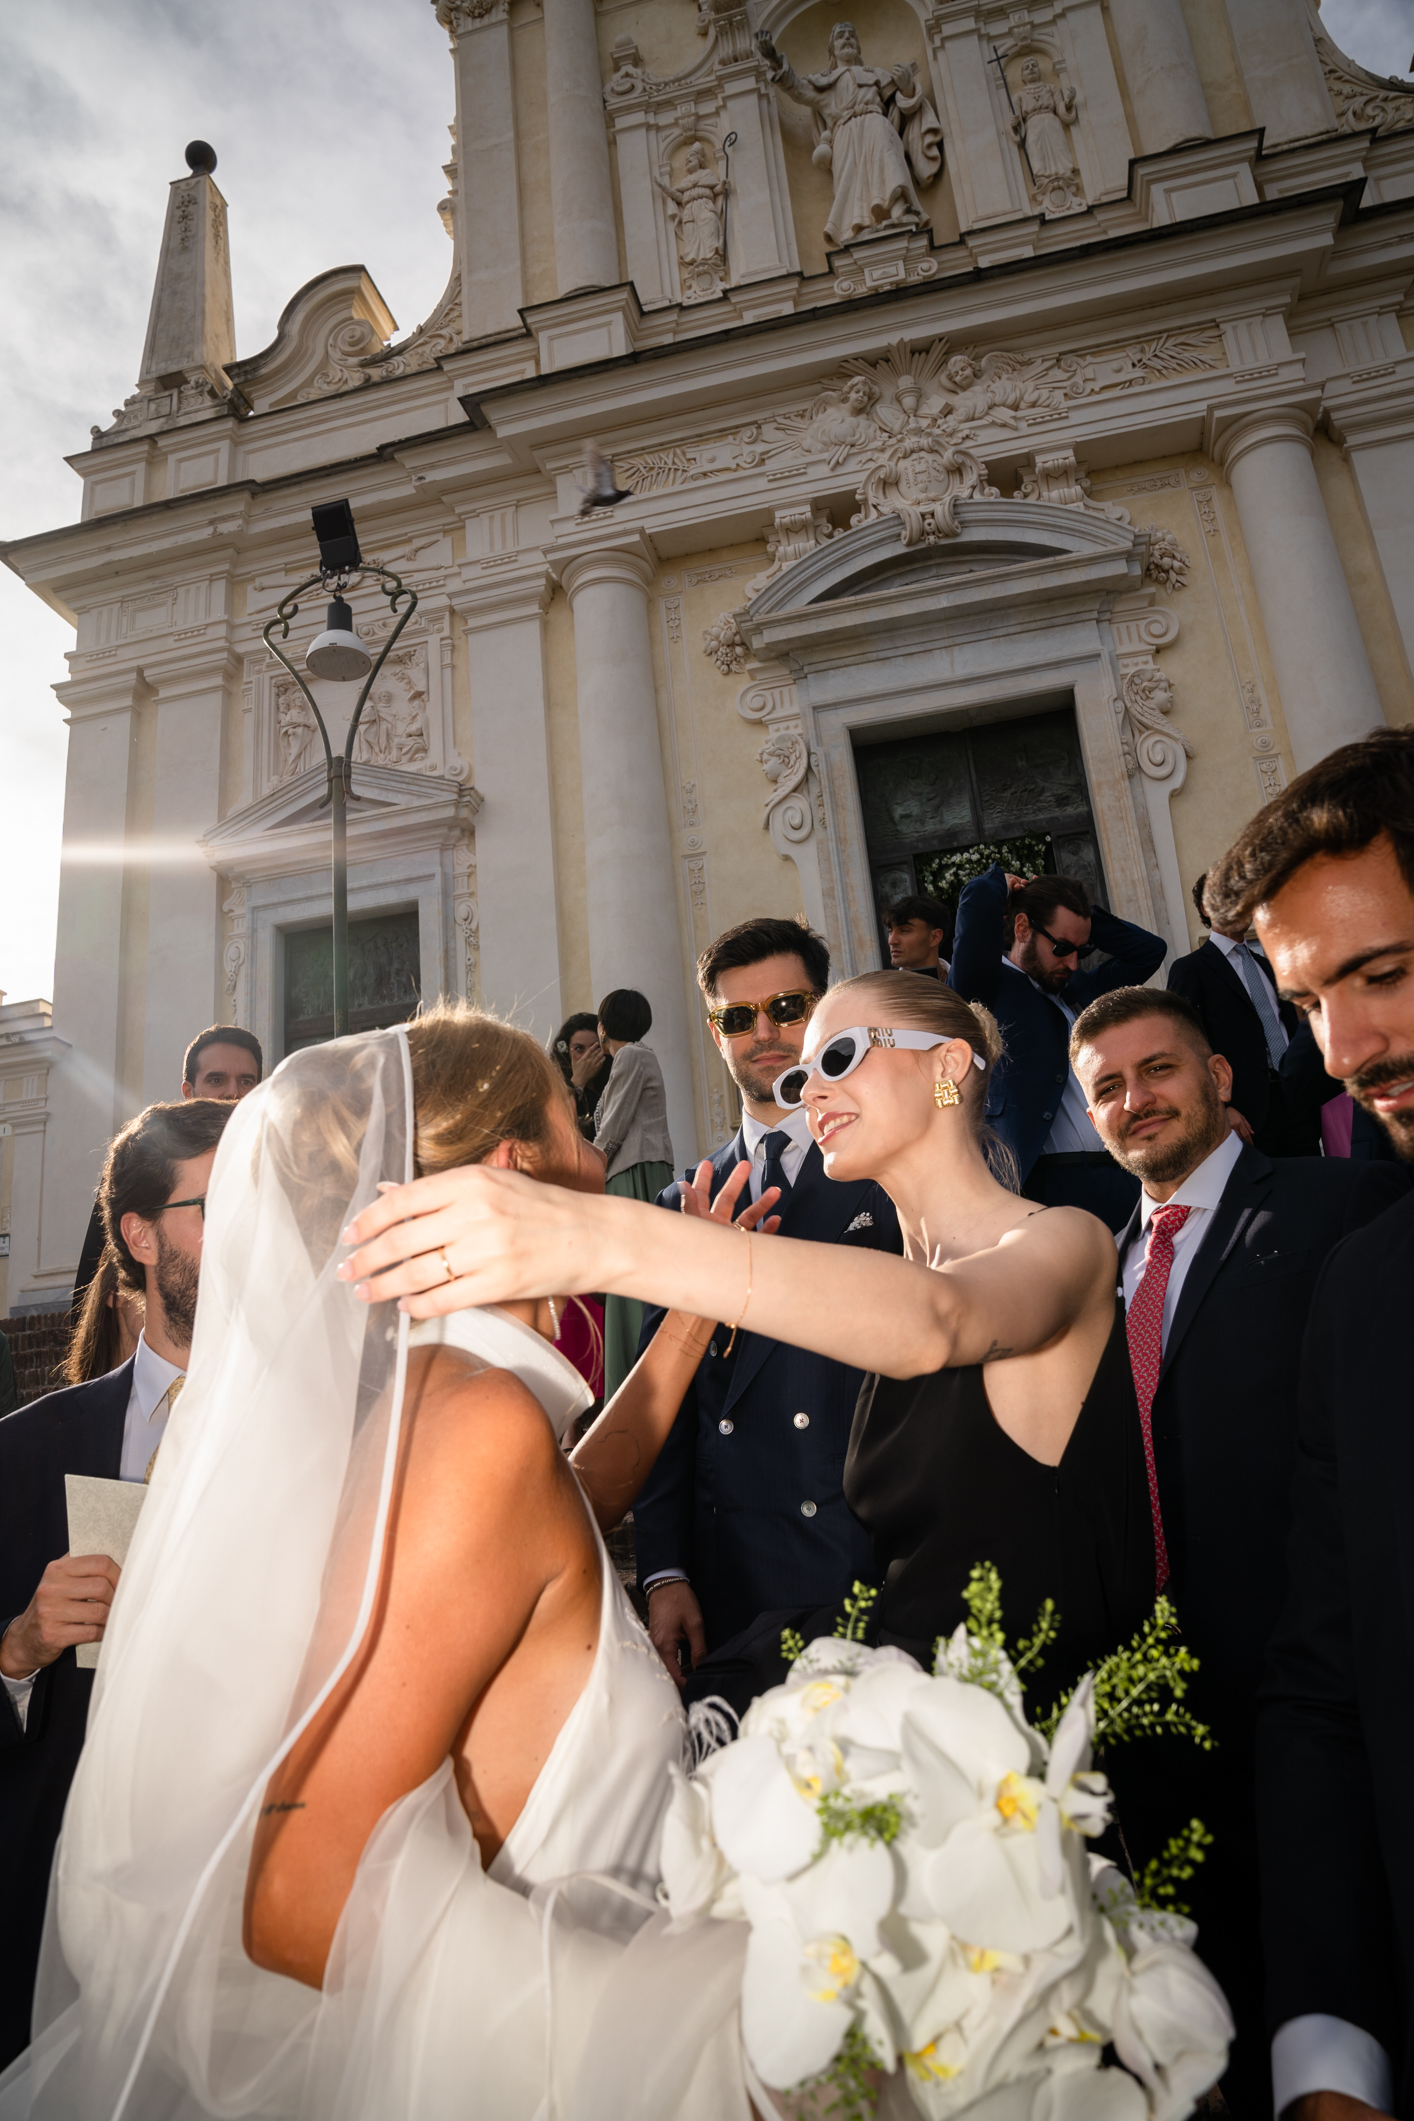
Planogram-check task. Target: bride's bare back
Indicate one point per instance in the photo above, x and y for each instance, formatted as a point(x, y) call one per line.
point(483, 1637)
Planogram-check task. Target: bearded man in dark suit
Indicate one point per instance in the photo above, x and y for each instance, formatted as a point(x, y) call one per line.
point(1327, 873)
point(1218, 1265)
point(152, 1196)
point(744, 1512)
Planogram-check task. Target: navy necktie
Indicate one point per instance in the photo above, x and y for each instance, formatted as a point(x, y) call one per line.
point(773, 1172)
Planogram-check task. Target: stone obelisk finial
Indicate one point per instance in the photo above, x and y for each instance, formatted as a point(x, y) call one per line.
point(191, 327)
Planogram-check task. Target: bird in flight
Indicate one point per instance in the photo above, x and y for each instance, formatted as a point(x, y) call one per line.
point(601, 492)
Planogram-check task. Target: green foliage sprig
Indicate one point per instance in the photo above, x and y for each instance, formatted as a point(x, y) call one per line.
point(1158, 1884)
point(853, 2077)
point(1139, 1689)
point(853, 1623)
point(792, 1645)
point(880, 1819)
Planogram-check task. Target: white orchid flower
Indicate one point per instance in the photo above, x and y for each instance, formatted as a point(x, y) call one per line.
point(807, 1975)
point(1171, 2023)
point(694, 1869)
point(764, 1826)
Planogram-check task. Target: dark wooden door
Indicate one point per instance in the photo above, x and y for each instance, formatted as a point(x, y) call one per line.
point(940, 809)
point(385, 978)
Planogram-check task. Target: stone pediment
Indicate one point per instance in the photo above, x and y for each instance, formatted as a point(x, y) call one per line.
point(288, 830)
point(330, 325)
point(994, 538)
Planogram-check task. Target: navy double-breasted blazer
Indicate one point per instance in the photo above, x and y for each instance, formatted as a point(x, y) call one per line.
point(746, 1498)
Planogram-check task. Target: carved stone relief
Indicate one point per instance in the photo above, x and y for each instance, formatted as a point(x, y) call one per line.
point(697, 213)
point(235, 955)
point(356, 356)
point(1042, 114)
point(466, 918)
point(1167, 563)
point(795, 532)
point(970, 393)
point(1364, 102)
point(723, 645)
point(406, 721)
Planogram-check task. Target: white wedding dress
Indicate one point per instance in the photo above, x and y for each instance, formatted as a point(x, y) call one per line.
point(549, 1987)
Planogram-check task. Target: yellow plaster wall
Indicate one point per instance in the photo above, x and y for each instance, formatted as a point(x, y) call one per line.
point(888, 31)
point(532, 129)
point(1215, 55)
point(132, 1014)
point(1378, 626)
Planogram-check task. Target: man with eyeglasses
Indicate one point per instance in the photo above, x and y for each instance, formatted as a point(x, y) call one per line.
point(152, 1195)
point(744, 1513)
point(1018, 948)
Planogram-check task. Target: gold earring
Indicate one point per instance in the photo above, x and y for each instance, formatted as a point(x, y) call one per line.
point(946, 1092)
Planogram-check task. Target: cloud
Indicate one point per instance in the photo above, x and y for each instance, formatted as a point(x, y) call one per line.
point(331, 129)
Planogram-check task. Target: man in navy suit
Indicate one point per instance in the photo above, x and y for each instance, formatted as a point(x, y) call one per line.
point(152, 1194)
point(1017, 948)
point(1232, 989)
point(1238, 1240)
point(744, 1512)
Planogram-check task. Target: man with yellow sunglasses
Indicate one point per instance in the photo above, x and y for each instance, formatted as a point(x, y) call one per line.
point(744, 1513)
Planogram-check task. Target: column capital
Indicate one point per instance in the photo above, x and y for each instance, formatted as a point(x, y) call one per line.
point(632, 563)
point(1234, 430)
point(491, 595)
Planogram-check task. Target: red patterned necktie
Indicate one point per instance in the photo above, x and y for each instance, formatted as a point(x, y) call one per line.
point(1144, 1325)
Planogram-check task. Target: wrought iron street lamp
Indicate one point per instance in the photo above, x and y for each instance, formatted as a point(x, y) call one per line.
point(339, 655)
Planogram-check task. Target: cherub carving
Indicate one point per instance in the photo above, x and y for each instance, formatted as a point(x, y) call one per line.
point(840, 420)
point(875, 130)
point(992, 391)
point(1148, 697)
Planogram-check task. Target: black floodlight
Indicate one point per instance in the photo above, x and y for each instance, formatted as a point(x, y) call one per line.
point(338, 540)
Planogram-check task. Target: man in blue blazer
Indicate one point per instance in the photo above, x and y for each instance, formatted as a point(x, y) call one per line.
point(744, 1512)
point(1017, 948)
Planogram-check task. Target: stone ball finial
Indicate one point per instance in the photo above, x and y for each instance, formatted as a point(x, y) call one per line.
point(201, 159)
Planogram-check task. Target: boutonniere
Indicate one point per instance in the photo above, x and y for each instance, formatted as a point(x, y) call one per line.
point(863, 1221)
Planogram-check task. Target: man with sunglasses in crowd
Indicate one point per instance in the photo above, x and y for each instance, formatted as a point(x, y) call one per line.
point(153, 1198)
point(1017, 948)
point(744, 1513)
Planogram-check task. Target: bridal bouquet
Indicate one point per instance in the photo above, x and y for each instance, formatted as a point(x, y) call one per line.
point(910, 1855)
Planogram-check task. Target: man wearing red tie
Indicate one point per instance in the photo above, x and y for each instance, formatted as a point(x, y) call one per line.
point(1218, 1264)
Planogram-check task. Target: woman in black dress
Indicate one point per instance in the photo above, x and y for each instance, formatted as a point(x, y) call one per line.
point(999, 1424)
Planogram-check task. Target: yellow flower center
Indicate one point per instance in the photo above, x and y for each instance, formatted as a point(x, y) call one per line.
point(1018, 1800)
point(980, 1959)
point(819, 1695)
point(832, 1968)
point(928, 2066)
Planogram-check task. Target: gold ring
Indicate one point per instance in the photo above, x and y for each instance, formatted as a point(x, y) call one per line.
point(451, 1270)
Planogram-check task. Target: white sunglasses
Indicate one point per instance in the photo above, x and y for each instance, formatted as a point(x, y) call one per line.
point(842, 1054)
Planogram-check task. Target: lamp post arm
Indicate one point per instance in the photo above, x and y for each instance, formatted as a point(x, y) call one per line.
point(395, 595)
point(285, 610)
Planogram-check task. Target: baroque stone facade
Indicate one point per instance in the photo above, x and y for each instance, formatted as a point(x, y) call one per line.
point(1016, 399)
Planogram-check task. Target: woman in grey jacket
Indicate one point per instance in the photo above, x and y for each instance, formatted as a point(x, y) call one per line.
point(631, 1128)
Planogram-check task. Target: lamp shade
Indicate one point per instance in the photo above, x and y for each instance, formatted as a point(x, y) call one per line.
point(338, 653)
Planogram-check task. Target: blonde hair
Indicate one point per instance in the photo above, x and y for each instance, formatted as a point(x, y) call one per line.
point(908, 1001)
point(477, 1082)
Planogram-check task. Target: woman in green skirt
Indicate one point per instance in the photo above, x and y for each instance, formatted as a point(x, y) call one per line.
point(631, 1128)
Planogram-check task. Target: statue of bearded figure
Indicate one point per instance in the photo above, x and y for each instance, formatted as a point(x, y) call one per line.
point(876, 130)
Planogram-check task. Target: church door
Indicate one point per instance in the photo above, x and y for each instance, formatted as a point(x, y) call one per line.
point(940, 809)
point(385, 978)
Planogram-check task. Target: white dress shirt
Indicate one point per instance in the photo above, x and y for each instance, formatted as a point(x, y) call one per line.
point(143, 1427)
point(1072, 1130)
point(1200, 1193)
point(753, 1134)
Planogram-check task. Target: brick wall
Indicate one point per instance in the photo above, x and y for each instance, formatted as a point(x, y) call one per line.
point(37, 1346)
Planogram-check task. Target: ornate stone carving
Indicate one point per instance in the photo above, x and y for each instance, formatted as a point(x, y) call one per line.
point(235, 954)
point(796, 532)
point(875, 130)
point(1148, 696)
point(1039, 125)
point(972, 393)
point(356, 356)
point(630, 77)
point(920, 476)
point(785, 760)
point(394, 730)
point(696, 211)
point(697, 884)
point(1364, 102)
point(723, 645)
point(458, 15)
point(466, 917)
point(1167, 563)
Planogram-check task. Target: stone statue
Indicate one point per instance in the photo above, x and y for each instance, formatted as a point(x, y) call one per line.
point(1043, 116)
point(841, 420)
point(698, 209)
point(299, 738)
point(873, 128)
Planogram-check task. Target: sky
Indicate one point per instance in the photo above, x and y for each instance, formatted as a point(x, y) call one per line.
point(330, 128)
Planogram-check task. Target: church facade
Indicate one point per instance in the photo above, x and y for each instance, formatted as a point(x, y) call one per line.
point(1015, 407)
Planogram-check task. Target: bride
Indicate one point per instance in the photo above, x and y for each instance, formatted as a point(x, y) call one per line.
point(367, 1819)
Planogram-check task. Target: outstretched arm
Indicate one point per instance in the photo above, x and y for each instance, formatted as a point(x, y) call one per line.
point(508, 1237)
point(615, 1458)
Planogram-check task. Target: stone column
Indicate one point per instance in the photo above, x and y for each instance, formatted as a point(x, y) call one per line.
point(1328, 692)
point(634, 934)
point(515, 846)
point(1375, 421)
point(1285, 85)
point(581, 192)
point(95, 1085)
point(488, 189)
point(183, 955)
point(1160, 73)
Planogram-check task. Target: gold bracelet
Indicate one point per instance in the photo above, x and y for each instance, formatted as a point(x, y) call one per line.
point(745, 1306)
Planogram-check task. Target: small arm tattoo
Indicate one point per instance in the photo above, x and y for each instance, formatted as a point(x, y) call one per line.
point(997, 1353)
point(268, 1810)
